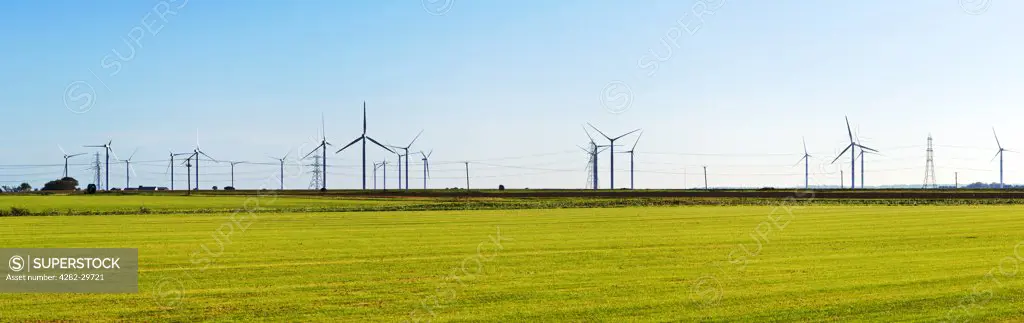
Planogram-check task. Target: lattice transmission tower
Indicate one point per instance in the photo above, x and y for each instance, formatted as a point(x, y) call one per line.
point(316, 183)
point(98, 168)
point(929, 168)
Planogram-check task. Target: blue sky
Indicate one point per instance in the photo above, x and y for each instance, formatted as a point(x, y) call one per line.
point(507, 85)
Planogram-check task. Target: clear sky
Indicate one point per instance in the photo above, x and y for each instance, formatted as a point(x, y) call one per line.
point(507, 85)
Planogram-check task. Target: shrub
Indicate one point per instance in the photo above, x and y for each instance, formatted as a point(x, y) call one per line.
point(17, 211)
point(214, 188)
point(501, 187)
point(91, 189)
point(63, 184)
point(229, 188)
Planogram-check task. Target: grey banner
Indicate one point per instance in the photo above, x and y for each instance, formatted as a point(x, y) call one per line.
point(66, 270)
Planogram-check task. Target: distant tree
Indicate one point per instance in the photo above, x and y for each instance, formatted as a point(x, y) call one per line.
point(63, 184)
point(24, 187)
point(229, 188)
point(501, 187)
point(91, 189)
point(214, 188)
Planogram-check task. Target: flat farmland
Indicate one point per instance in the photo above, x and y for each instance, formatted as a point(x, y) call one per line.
point(712, 263)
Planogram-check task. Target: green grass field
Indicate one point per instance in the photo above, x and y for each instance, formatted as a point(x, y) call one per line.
point(717, 263)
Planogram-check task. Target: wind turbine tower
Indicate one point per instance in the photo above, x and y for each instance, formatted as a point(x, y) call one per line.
point(66, 157)
point(807, 166)
point(630, 152)
point(363, 138)
point(322, 184)
point(1000, 155)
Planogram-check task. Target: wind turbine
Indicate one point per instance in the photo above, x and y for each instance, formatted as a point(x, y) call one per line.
point(323, 146)
point(282, 168)
point(426, 166)
point(630, 152)
point(399, 168)
point(66, 157)
point(376, 165)
point(188, 176)
point(406, 155)
point(611, 142)
point(233, 163)
point(1000, 155)
point(861, 156)
point(807, 166)
point(199, 151)
point(363, 138)
point(106, 148)
point(853, 156)
point(384, 173)
point(128, 169)
point(170, 166)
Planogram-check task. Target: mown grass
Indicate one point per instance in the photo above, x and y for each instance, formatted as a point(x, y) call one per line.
point(51, 205)
point(822, 263)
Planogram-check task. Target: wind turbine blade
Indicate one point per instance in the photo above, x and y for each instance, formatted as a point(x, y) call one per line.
point(584, 149)
point(132, 169)
point(75, 155)
point(94, 146)
point(637, 141)
point(349, 144)
point(997, 138)
point(62, 150)
point(599, 131)
point(841, 154)
point(208, 156)
point(426, 163)
point(286, 155)
point(798, 162)
point(431, 152)
point(381, 146)
point(414, 139)
point(587, 132)
point(848, 131)
point(364, 118)
point(313, 151)
point(627, 134)
point(805, 145)
point(997, 155)
point(323, 127)
point(133, 154)
point(115, 155)
point(866, 148)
